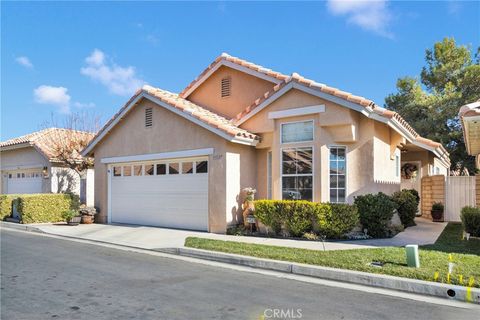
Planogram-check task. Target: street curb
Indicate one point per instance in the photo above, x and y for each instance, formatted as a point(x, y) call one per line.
point(356, 277)
point(19, 226)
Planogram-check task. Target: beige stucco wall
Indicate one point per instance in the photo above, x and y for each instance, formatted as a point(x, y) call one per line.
point(367, 138)
point(244, 90)
point(385, 170)
point(171, 132)
point(423, 156)
point(23, 159)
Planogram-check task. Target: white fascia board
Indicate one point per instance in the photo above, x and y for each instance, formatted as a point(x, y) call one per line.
point(16, 146)
point(265, 103)
point(233, 66)
point(87, 150)
point(332, 98)
point(23, 167)
point(296, 112)
point(159, 156)
point(392, 123)
point(432, 150)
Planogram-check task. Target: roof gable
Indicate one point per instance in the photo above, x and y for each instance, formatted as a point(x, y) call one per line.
point(43, 140)
point(182, 107)
point(235, 63)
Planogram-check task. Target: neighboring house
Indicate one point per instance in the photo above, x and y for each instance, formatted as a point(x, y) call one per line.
point(181, 160)
point(470, 116)
point(29, 165)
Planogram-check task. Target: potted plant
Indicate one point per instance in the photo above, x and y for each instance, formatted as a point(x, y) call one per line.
point(87, 214)
point(71, 217)
point(437, 212)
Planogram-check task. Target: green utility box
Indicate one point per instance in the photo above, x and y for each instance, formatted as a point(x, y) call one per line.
point(413, 259)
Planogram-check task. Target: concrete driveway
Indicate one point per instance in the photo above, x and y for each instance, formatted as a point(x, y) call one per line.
point(425, 232)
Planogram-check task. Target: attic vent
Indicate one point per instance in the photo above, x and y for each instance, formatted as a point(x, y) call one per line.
point(226, 87)
point(148, 117)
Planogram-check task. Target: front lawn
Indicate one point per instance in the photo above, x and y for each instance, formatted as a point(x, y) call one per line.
point(433, 258)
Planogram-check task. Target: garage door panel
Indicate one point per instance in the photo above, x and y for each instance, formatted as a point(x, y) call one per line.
point(176, 201)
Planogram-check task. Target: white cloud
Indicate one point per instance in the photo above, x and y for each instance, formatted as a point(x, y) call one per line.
point(97, 58)
point(371, 15)
point(24, 61)
point(56, 96)
point(59, 97)
point(119, 80)
point(81, 105)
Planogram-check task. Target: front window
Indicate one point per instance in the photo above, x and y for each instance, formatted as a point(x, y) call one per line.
point(338, 165)
point(297, 132)
point(297, 177)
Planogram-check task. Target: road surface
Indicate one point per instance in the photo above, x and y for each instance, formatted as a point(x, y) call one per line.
point(50, 278)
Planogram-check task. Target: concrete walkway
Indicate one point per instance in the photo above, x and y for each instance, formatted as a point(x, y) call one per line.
point(425, 232)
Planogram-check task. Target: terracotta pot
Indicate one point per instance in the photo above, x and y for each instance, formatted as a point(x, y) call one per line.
point(437, 215)
point(86, 219)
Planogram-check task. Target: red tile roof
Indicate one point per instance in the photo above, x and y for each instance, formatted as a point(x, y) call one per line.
point(198, 112)
point(238, 61)
point(44, 140)
point(172, 99)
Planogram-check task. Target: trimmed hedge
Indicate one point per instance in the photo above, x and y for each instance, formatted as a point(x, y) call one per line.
point(376, 211)
point(300, 217)
point(42, 207)
point(407, 206)
point(471, 220)
point(6, 201)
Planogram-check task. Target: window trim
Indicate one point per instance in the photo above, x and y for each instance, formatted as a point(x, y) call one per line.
point(297, 175)
point(269, 175)
point(397, 166)
point(297, 142)
point(346, 171)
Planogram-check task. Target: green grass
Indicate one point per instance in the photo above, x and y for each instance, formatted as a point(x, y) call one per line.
point(433, 258)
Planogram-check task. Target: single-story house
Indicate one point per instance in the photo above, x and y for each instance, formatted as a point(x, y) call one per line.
point(29, 165)
point(182, 160)
point(470, 117)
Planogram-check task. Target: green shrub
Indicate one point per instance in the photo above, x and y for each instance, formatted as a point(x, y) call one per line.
point(6, 201)
point(298, 216)
point(68, 215)
point(48, 207)
point(301, 217)
point(415, 194)
point(334, 220)
point(407, 206)
point(438, 206)
point(471, 220)
point(266, 211)
point(376, 211)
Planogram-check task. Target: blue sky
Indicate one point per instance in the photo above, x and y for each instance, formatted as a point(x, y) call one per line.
point(66, 57)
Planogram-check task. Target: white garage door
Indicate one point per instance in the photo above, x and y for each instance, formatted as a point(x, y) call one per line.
point(22, 182)
point(168, 194)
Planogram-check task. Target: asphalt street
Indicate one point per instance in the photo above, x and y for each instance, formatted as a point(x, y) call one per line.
point(49, 278)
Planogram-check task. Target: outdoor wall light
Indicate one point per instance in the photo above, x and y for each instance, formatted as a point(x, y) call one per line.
point(45, 172)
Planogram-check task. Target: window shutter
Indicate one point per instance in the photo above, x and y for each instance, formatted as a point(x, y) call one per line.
point(148, 117)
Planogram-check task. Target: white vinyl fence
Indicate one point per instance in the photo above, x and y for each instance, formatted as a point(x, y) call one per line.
point(460, 192)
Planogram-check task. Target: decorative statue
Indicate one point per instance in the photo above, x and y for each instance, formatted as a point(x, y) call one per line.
point(248, 206)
